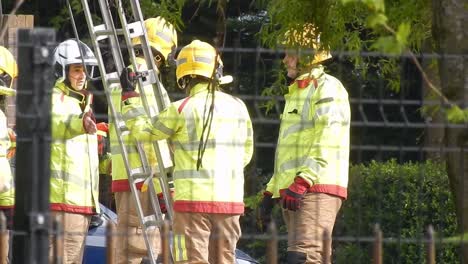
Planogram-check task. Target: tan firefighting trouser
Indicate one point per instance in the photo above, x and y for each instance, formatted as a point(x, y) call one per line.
point(195, 241)
point(5, 246)
point(75, 228)
point(306, 226)
point(131, 247)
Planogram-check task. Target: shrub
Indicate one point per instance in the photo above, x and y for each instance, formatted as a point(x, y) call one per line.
point(404, 199)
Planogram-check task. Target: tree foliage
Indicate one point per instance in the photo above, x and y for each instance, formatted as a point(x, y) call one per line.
point(391, 30)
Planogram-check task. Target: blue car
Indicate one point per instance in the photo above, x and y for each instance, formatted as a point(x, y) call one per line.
point(95, 251)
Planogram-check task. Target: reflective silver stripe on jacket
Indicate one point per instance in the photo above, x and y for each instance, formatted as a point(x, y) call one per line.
point(304, 124)
point(337, 114)
point(161, 127)
point(190, 123)
point(68, 177)
point(193, 145)
point(134, 113)
point(313, 164)
point(202, 174)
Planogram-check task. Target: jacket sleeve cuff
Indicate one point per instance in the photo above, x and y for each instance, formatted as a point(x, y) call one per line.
point(303, 181)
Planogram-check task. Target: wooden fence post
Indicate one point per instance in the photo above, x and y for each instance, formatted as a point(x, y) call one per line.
point(166, 250)
point(110, 242)
point(378, 256)
point(430, 245)
point(272, 244)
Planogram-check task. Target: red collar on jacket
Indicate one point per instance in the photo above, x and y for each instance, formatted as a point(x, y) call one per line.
point(301, 84)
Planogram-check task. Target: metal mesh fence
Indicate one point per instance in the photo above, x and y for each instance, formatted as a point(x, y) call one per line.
point(401, 204)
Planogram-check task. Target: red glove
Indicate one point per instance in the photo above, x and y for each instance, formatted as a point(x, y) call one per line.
point(89, 122)
point(294, 194)
point(162, 203)
point(102, 128)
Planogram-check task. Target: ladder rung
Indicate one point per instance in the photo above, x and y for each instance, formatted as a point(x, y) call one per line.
point(150, 221)
point(123, 128)
point(140, 175)
point(104, 33)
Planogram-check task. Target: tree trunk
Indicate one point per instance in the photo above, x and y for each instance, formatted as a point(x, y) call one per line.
point(450, 34)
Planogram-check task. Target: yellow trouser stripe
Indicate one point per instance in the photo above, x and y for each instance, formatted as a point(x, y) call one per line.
point(180, 249)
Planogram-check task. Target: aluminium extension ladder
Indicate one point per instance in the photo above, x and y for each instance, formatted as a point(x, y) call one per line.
point(108, 31)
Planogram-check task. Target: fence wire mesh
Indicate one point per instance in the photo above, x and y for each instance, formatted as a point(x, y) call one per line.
point(401, 203)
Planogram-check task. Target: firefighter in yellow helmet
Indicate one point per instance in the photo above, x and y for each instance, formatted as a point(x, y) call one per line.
point(213, 138)
point(8, 72)
point(74, 162)
point(131, 248)
point(311, 165)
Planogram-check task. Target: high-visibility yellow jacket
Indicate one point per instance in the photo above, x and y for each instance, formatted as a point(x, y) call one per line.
point(313, 141)
point(119, 174)
point(74, 162)
point(218, 185)
point(7, 191)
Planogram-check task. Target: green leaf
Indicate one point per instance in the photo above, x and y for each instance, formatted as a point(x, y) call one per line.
point(375, 5)
point(344, 2)
point(403, 33)
point(457, 115)
point(387, 44)
point(375, 20)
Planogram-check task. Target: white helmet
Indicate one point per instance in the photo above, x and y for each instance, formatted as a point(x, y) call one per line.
point(68, 52)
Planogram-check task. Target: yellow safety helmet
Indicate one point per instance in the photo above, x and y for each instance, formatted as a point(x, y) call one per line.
point(8, 71)
point(161, 36)
point(197, 58)
point(309, 39)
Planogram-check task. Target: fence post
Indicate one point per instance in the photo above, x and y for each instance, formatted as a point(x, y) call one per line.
point(32, 180)
point(378, 254)
point(110, 242)
point(3, 237)
point(430, 245)
point(272, 244)
point(165, 243)
point(58, 239)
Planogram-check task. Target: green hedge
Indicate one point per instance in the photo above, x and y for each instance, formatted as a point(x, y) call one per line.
point(402, 198)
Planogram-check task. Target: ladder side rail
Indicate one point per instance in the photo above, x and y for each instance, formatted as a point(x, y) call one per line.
point(114, 43)
point(138, 15)
point(120, 64)
point(157, 95)
point(118, 123)
point(131, 53)
point(97, 51)
point(162, 104)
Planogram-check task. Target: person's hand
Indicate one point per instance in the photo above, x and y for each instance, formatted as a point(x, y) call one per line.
point(89, 122)
point(294, 194)
point(128, 80)
point(162, 203)
point(266, 208)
